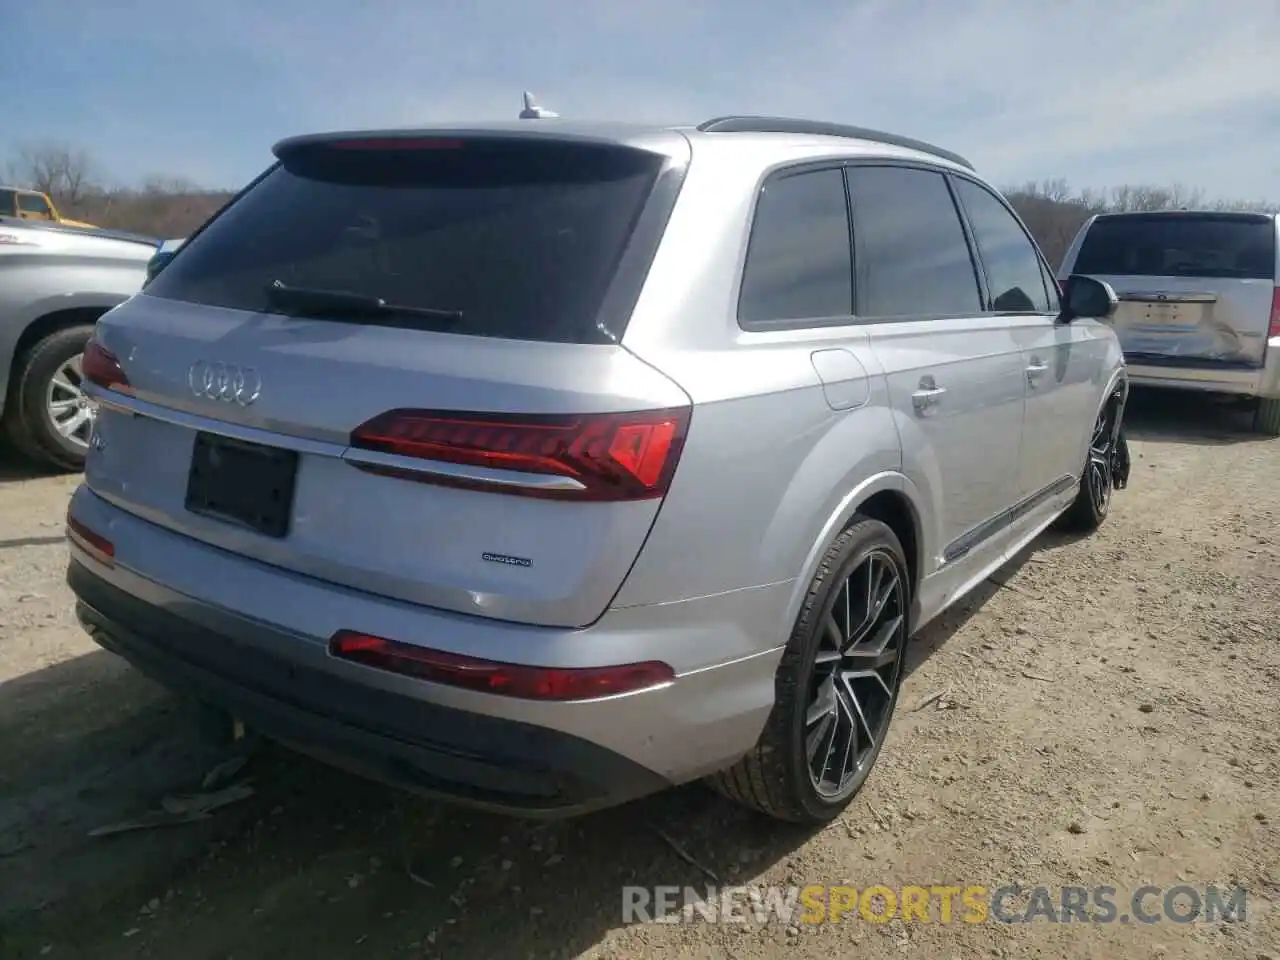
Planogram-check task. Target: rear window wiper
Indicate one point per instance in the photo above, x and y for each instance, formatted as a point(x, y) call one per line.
point(355, 306)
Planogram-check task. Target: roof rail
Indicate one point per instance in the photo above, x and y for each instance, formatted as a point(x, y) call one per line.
point(745, 124)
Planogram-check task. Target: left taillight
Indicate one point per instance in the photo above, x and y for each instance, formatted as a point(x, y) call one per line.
point(102, 369)
point(94, 544)
point(600, 457)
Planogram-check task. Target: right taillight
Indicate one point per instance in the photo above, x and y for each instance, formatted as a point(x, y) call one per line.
point(1274, 329)
point(612, 456)
point(101, 368)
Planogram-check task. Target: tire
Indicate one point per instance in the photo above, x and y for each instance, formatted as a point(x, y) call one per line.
point(775, 778)
point(1093, 499)
point(28, 421)
point(1266, 418)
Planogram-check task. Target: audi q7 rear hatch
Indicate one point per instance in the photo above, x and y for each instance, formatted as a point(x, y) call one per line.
point(392, 364)
point(1192, 286)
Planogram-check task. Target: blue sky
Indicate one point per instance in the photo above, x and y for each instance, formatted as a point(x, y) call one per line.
point(1144, 91)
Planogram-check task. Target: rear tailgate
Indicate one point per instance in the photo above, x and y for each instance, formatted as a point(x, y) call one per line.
point(1193, 286)
point(512, 457)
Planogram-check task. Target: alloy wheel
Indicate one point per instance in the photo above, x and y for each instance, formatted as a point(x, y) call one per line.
point(855, 674)
point(69, 407)
point(1100, 464)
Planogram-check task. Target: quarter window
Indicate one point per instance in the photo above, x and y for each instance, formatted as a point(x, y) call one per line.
point(799, 261)
point(1014, 271)
point(913, 258)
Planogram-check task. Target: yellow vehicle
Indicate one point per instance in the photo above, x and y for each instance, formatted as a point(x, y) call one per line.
point(33, 205)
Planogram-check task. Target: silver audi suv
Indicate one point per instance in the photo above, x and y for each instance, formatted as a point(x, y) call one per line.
point(543, 465)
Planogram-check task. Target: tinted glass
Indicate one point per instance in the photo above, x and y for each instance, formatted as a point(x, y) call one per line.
point(799, 262)
point(1014, 272)
point(913, 256)
point(1168, 245)
point(8, 203)
point(522, 238)
point(30, 203)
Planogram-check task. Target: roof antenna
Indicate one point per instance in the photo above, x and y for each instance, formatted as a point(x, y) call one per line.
point(532, 111)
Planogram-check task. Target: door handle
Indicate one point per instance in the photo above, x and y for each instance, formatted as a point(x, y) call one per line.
point(1035, 370)
point(928, 396)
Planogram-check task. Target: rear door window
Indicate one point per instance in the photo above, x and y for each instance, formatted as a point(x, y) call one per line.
point(913, 258)
point(799, 259)
point(1015, 274)
point(521, 237)
point(1173, 245)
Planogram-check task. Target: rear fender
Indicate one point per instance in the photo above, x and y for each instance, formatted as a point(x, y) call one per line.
point(837, 519)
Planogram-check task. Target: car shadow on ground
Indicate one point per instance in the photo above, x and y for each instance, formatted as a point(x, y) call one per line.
point(1176, 416)
point(324, 857)
point(84, 743)
point(16, 467)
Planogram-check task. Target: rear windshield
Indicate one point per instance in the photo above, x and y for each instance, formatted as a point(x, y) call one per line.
point(521, 237)
point(1175, 246)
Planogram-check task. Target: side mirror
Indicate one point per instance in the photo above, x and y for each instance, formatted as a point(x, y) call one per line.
point(158, 263)
point(1085, 297)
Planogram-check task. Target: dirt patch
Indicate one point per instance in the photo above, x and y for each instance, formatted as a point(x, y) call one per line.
point(1100, 714)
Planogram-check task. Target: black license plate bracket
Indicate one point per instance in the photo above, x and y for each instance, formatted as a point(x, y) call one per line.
point(248, 484)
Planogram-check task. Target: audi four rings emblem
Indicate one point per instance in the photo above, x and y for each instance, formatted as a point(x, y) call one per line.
point(227, 382)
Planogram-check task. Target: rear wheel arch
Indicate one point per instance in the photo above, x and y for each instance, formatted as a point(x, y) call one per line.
point(888, 497)
point(896, 510)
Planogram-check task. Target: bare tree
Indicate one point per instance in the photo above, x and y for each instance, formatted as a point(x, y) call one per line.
point(166, 206)
point(62, 171)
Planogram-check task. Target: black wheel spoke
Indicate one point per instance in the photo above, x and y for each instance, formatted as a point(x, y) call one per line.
point(874, 676)
point(859, 652)
point(1098, 469)
point(845, 714)
point(879, 652)
point(824, 703)
point(834, 635)
point(816, 739)
point(847, 682)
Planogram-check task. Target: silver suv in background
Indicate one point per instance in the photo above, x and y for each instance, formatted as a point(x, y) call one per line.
point(55, 282)
point(543, 465)
point(1199, 299)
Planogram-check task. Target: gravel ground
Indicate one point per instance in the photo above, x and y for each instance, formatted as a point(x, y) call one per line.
point(1099, 716)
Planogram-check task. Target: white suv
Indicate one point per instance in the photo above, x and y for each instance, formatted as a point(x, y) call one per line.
point(1199, 300)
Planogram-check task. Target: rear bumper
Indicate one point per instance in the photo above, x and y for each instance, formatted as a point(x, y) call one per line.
point(253, 639)
point(489, 762)
point(1214, 377)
